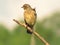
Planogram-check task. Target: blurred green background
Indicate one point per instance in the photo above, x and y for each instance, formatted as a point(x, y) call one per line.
point(49, 28)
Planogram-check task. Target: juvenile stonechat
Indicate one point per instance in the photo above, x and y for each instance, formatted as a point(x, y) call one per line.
point(29, 16)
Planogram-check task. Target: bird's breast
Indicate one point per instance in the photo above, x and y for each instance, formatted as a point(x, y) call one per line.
point(29, 17)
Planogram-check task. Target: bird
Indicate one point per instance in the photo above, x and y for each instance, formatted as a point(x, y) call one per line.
point(29, 16)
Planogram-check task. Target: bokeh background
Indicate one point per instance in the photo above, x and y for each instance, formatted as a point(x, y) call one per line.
point(47, 24)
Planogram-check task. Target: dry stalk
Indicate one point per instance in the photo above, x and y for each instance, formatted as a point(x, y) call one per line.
point(35, 33)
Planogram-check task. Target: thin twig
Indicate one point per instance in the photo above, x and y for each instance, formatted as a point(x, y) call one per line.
point(35, 33)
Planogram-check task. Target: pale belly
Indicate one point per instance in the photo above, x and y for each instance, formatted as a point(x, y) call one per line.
point(30, 19)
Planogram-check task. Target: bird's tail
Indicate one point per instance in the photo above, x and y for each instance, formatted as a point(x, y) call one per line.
point(29, 31)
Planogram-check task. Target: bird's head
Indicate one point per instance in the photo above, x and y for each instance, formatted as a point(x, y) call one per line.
point(26, 6)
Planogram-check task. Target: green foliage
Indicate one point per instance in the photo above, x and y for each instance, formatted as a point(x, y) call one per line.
point(48, 28)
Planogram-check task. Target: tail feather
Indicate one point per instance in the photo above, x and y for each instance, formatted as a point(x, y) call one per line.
point(29, 31)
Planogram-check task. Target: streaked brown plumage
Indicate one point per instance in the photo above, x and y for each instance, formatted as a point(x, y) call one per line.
point(29, 16)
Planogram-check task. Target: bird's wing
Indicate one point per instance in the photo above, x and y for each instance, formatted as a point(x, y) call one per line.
point(34, 11)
